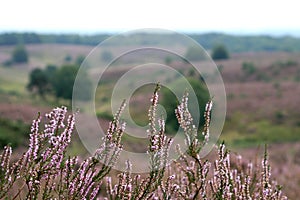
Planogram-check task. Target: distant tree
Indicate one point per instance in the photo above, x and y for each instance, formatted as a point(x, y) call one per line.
point(38, 82)
point(63, 83)
point(20, 54)
point(64, 80)
point(219, 52)
point(50, 72)
point(9, 39)
point(50, 69)
point(194, 53)
point(68, 58)
point(30, 38)
point(106, 56)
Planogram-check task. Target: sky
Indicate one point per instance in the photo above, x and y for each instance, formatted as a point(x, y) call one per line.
point(94, 16)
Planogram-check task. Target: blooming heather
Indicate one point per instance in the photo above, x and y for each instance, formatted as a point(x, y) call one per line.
point(44, 171)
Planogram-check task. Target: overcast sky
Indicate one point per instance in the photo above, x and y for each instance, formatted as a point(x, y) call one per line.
point(89, 16)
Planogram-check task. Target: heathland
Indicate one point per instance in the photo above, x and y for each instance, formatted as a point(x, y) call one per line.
point(261, 77)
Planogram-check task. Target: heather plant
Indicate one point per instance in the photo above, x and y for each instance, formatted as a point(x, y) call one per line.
point(44, 171)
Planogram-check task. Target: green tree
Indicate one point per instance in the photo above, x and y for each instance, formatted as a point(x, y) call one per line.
point(50, 72)
point(219, 52)
point(38, 82)
point(170, 102)
point(63, 83)
point(20, 54)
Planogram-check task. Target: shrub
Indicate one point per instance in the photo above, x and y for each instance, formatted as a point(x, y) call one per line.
point(64, 79)
point(38, 82)
point(68, 58)
point(248, 68)
point(44, 171)
point(219, 52)
point(20, 55)
point(12, 132)
point(284, 64)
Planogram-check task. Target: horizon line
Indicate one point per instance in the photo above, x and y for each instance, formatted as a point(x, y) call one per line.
point(258, 32)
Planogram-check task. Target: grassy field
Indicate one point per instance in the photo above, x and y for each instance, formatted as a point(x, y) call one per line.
point(264, 95)
point(263, 106)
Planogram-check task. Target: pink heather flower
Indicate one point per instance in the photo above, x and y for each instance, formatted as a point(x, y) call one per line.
point(95, 191)
point(172, 177)
point(73, 179)
point(34, 139)
point(56, 117)
point(72, 187)
point(5, 157)
point(46, 154)
point(83, 169)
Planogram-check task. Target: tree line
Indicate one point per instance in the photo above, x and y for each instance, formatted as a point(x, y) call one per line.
point(208, 40)
point(34, 38)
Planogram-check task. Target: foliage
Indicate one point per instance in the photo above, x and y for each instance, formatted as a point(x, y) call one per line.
point(12, 132)
point(45, 172)
point(104, 115)
point(284, 64)
point(38, 82)
point(219, 52)
point(19, 38)
point(207, 40)
point(64, 80)
point(170, 102)
point(248, 68)
point(260, 132)
point(20, 54)
point(250, 43)
point(60, 81)
point(195, 53)
point(50, 71)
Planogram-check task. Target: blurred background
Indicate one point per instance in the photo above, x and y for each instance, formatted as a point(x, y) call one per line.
point(255, 44)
